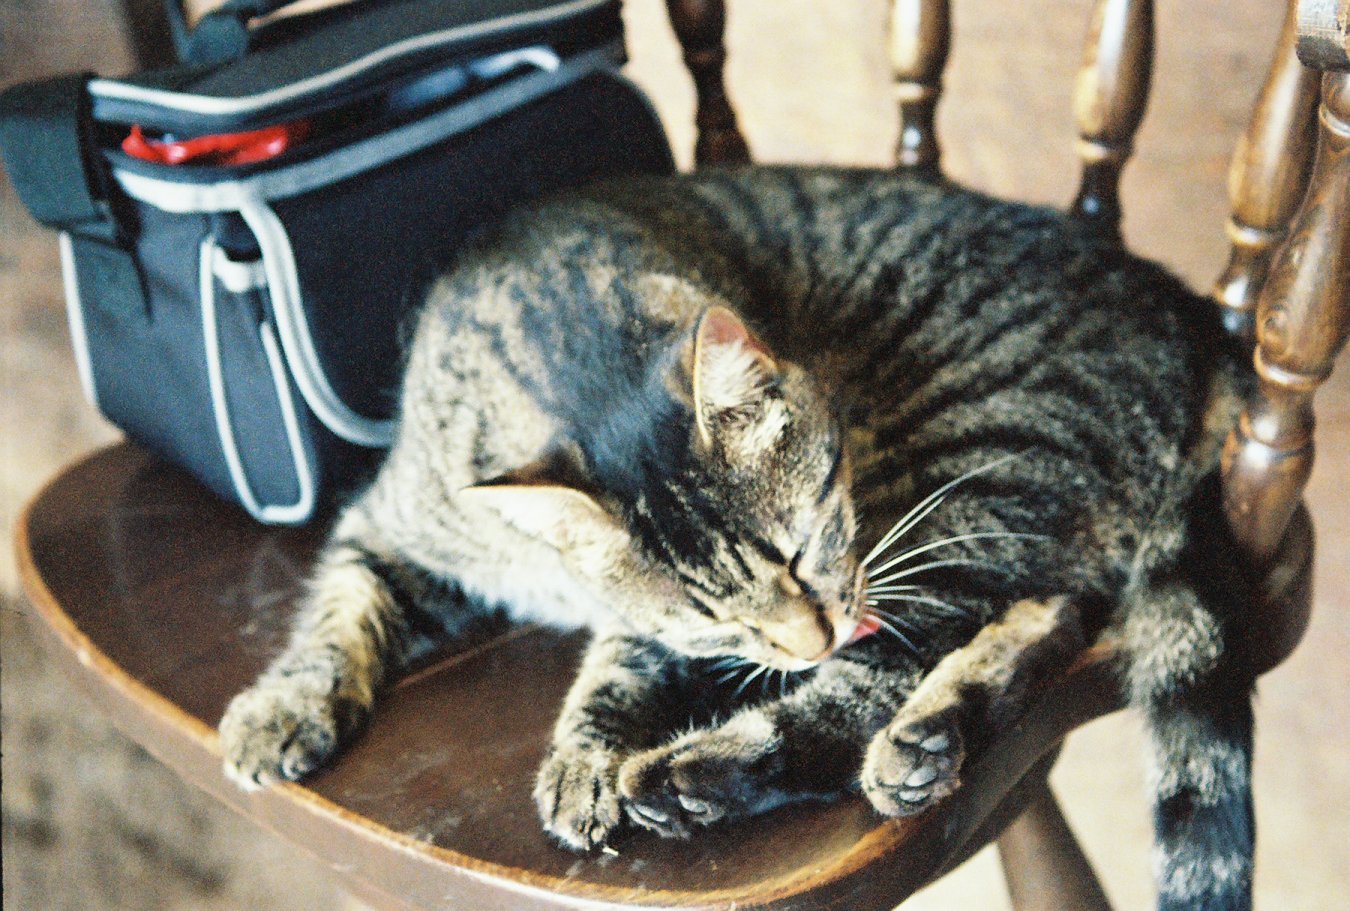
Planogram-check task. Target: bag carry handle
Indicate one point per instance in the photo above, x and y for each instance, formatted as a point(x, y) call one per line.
point(222, 35)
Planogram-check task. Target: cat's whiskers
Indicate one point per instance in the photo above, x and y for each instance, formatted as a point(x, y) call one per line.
point(746, 682)
point(886, 623)
point(935, 564)
point(944, 542)
point(887, 589)
point(925, 506)
point(730, 666)
point(898, 619)
point(902, 527)
point(920, 599)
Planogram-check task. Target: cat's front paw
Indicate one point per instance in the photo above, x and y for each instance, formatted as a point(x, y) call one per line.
point(913, 763)
point(281, 730)
point(702, 777)
point(577, 796)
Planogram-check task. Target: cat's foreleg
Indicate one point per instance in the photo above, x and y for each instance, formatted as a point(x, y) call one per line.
point(350, 634)
point(808, 743)
point(625, 699)
point(972, 695)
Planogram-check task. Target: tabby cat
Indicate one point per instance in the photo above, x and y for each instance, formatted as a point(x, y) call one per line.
point(679, 411)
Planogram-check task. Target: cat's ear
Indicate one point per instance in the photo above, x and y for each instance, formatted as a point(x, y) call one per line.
point(547, 503)
point(732, 372)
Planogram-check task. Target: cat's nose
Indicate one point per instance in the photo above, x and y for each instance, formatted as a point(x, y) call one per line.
point(804, 632)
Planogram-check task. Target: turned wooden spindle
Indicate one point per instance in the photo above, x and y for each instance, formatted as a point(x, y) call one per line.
point(1303, 315)
point(920, 41)
point(699, 25)
point(1110, 94)
point(1267, 178)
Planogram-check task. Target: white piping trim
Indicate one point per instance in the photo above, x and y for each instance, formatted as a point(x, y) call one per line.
point(283, 285)
point(79, 338)
point(238, 277)
point(540, 56)
point(292, 180)
point(200, 104)
point(210, 257)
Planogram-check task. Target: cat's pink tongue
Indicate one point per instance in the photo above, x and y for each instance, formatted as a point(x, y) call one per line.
point(866, 627)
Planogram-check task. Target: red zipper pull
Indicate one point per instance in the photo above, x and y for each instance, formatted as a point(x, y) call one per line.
point(219, 148)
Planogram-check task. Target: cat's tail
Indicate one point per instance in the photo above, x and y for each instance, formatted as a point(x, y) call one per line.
point(1197, 704)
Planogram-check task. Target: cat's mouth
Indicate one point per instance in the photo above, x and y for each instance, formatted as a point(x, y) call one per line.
point(868, 624)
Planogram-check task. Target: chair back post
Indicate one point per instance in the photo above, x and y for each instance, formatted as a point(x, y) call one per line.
point(1109, 98)
point(1267, 179)
point(699, 26)
point(1303, 315)
point(920, 40)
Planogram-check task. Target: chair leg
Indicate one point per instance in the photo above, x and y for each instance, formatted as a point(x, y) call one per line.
point(1042, 863)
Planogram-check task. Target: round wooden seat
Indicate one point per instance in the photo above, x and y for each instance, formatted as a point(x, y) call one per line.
point(164, 602)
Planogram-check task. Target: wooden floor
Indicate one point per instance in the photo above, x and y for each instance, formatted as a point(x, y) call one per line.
point(90, 823)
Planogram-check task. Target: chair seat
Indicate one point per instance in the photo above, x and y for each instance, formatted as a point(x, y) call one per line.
point(164, 602)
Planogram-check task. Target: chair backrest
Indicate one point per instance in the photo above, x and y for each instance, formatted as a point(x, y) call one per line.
point(1287, 284)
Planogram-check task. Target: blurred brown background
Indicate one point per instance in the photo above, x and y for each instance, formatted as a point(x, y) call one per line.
point(91, 822)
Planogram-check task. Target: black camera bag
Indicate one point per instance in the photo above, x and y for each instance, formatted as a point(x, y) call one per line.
point(244, 321)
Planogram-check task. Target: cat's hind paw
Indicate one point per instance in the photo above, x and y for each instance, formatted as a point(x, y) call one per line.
point(577, 796)
point(701, 778)
point(913, 763)
point(278, 731)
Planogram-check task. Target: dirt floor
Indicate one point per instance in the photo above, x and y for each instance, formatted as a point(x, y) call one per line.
point(91, 822)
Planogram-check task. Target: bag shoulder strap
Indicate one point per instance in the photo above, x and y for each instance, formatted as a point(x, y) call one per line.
point(46, 148)
point(45, 143)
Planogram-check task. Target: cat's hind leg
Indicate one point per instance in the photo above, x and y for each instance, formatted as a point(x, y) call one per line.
point(908, 736)
point(352, 630)
point(971, 696)
point(809, 742)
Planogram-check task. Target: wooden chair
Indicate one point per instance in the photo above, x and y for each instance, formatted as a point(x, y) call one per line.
point(162, 602)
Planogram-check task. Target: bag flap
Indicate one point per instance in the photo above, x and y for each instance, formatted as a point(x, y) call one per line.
point(331, 57)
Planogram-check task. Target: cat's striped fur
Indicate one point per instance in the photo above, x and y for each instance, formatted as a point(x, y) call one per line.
point(590, 436)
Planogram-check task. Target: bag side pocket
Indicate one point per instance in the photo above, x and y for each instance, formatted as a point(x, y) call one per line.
point(262, 437)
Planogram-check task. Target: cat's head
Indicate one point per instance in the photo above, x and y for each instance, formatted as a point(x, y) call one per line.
point(723, 525)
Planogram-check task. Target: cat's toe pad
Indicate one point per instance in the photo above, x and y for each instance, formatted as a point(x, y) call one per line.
point(577, 796)
point(671, 794)
point(277, 732)
point(698, 780)
point(913, 763)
